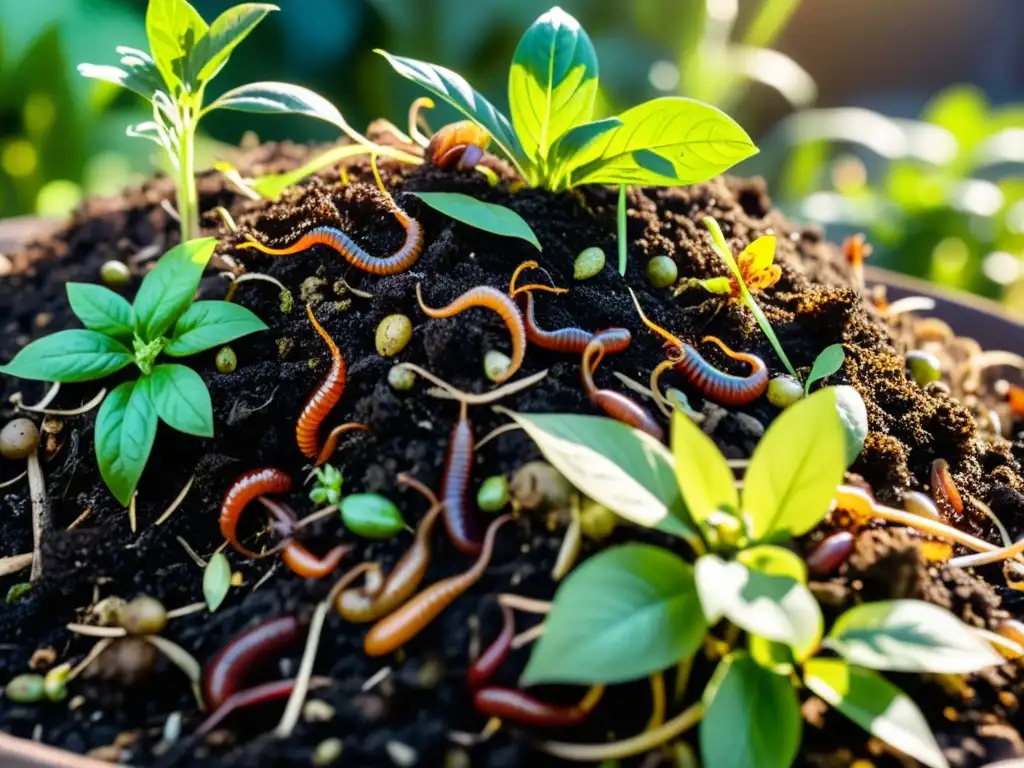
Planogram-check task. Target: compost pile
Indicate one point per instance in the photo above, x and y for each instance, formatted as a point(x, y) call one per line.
point(407, 716)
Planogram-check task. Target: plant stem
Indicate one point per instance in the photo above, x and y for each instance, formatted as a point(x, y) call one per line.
point(622, 230)
point(188, 196)
point(42, 518)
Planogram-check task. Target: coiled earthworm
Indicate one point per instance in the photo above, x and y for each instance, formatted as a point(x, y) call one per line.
point(483, 669)
point(462, 142)
point(943, 487)
point(404, 624)
point(251, 697)
point(713, 383)
point(612, 403)
point(493, 299)
point(520, 707)
point(246, 488)
point(226, 673)
point(304, 563)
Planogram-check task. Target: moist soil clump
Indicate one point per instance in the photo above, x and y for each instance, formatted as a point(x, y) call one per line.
point(409, 714)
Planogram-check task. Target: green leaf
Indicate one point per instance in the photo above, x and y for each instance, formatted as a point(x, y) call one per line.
point(182, 400)
point(453, 88)
point(69, 356)
point(828, 362)
point(226, 32)
point(909, 636)
point(669, 141)
point(552, 83)
point(795, 469)
point(125, 431)
point(174, 28)
point(876, 705)
point(371, 516)
point(138, 72)
point(169, 288)
point(705, 479)
point(100, 309)
point(280, 99)
point(489, 217)
point(762, 595)
point(577, 140)
point(854, 417)
point(751, 717)
point(625, 613)
point(621, 468)
point(216, 581)
point(207, 324)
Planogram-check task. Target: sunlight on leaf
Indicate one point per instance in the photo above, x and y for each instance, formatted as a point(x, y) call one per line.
point(705, 479)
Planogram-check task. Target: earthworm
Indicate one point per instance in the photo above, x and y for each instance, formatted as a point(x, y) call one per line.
point(462, 142)
point(612, 403)
point(246, 488)
point(512, 704)
point(493, 299)
point(369, 603)
point(462, 524)
point(483, 669)
point(250, 697)
point(943, 487)
point(570, 339)
point(307, 565)
point(229, 668)
point(404, 624)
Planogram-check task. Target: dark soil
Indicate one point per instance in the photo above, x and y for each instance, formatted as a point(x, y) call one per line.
point(255, 410)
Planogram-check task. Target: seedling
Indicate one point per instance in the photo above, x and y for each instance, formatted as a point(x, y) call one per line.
point(163, 320)
point(551, 139)
point(327, 488)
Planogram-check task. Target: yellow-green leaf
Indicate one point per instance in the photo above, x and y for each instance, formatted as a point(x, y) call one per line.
point(705, 479)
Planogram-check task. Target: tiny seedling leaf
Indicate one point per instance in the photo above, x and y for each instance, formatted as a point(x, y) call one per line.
point(793, 473)
point(828, 362)
point(489, 217)
point(125, 430)
point(280, 99)
point(909, 636)
point(625, 613)
point(751, 717)
point(168, 290)
point(100, 309)
point(705, 479)
point(138, 73)
point(624, 469)
point(227, 31)
point(182, 400)
point(216, 581)
point(69, 356)
point(876, 705)
point(174, 28)
point(207, 324)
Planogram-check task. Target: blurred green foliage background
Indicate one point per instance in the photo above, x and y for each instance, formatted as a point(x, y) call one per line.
point(900, 120)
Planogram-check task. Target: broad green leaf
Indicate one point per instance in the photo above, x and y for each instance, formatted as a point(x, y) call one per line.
point(826, 363)
point(668, 141)
point(453, 88)
point(207, 324)
point(69, 356)
point(100, 309)
point(280, 99)
point(624, 469)
point(138, 72)
point(553, 81)
point(227, 31)
point(174, 28)
point(876, 705)
point(125, 431)
point(182, 400)
point(216, 580)
point(751, 717)
point(705, 479)
point(795, 469)
point(773, 656)
point(489, 217)
point(169, 288)
point(770, 603)
point(625, 613)
point(909, 636)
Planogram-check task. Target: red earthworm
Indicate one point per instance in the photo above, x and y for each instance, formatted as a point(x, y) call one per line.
point(250, 697)
point(489, 298)
point(463, 142)
point(304, 563)
point(403, 625)
point(462, 524)
point(612, 403)
point(943, 487)
point(246, 488)
point(512, 704)
point(570, 339)
point(483, 669)
point(229, 668)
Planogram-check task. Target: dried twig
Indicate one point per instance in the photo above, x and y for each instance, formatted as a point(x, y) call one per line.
point(42, 519)
point(177, 502)
point(15, 563)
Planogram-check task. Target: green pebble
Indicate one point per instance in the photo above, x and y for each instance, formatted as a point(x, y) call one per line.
point(588, 263)
point(784, 390)
point(662, 271)
point(401, 378)
point(924, 367)
point(496, 364)
point(115, 274)
point(493, 494)
point(226, 360)
point(25, 689)
point(18, 591)
point(393, 334)
point(371, 516)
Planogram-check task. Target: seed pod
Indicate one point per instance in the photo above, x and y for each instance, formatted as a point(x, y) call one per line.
point(924, 367)
point(115, 274)
point(18, 439)
point(25, 689)
point(784, 391)
point(831, 553)
point(393, 334)
point(588, 263)
point(538, 486)
point(496, 364)
point(226, 360)
point(371, 516)
point(596, 521)
point(661, 271)
point(401, 379)
point(144, 616)
point(493, 494)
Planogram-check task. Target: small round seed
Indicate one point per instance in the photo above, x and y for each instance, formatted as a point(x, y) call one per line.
point(588, 263)
point(495, 364)
point(830, 553)
point(144, 616)
point(538, 486)
point(596, 521)
point(115, 274)
point(327, 752)
point(25, 689)
point(920, 504)
point(924, 367)
point(493, 494)
point(226, 360)
point(393, 334)
point(18, 439)
point(401, 378)
point(661, 272)
point(784, 391)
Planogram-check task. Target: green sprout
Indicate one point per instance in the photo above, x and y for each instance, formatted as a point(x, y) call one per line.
point(634, 610)
point(162, 321)
point(327, 488)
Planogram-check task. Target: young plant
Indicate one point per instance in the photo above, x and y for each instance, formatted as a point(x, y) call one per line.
point(634, 610)
point(163, 320)
point(327, 487)
point(551, 138)
point(185, 54)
